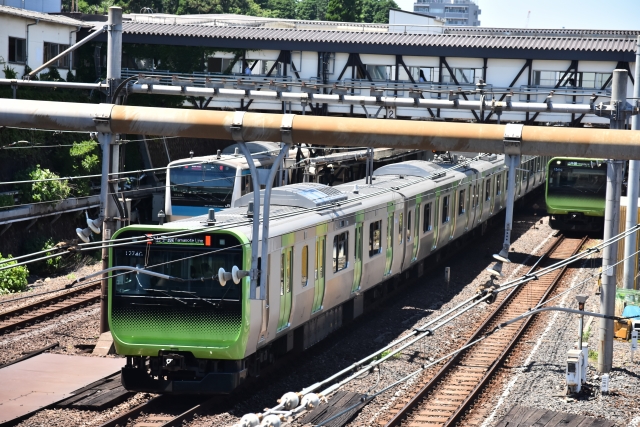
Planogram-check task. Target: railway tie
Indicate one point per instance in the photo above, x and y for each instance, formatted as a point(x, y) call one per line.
point(36, 312)
point(445, 398)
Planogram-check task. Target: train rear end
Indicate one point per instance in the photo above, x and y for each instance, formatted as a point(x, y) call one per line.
point(575, 193)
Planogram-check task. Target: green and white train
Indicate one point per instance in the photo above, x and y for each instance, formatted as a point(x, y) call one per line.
point(329, 250)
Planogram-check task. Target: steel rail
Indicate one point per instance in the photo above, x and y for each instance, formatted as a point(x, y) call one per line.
point(41, 310)
point(341, 131)
point(166, 421)
point(416, 400)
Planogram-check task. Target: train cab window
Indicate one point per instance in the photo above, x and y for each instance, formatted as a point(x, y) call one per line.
point(461, 202)
point(400, 228)
point(426, 219)
point(305, 265)
point(498, 186)
point(445, 209)
point(340, 251)
point(487, 190)
point(374, 238)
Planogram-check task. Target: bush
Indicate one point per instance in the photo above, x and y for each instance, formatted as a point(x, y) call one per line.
point(44, 191)
point(85, 161)
point(6, 200)
point(10, 73)
point(48, 266)
point(12, 279)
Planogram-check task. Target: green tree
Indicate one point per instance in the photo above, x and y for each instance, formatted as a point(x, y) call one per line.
point(343, 10)
point(376, 11)
point(312, 10)
point(283, 9)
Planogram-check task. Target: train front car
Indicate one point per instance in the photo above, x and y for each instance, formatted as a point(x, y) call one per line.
point(186, 333)
point(575, 193)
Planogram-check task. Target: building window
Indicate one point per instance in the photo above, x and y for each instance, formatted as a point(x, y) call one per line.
point(461, 202)
point(595, 80)
point(222, 65)
point(464, 76)
point(420, 74)
point(51, 50)
point(340, 251)
point(305, 265)
point(379, 72)
point(374, 237)
point(445, 209)
point(426, 219)
point(17, 50)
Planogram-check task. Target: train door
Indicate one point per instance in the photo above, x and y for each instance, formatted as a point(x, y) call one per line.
point(416, 229)
point(318, 296)
point(357, 265)
point(436, 228)
point(389, 252)
point(286, 280)
point(492, 196)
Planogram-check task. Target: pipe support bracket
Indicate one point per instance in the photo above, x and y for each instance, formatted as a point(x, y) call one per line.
point(236, 126)
point(513, 139)
point(285, 128)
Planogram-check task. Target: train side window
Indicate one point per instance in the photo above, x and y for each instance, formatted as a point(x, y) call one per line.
point(374, 238)
point(426, 219)
point(400, 228)
point(498, 187)
point(408, 226)
point(305, 265)
point(461, 203)
point(487, 190)
point(445, 209)
point(340, 251)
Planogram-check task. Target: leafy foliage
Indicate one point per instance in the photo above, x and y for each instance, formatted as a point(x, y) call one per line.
point(12, 279)
point(44, 191)
point(84, 161)
point(9, 73)
point(6, 200)
point(312, 10)
point(343, 10)
point(48, 266)
point(333, 10)
point(377, 11)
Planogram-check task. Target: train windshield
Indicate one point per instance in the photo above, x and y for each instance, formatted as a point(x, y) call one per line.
point(203, 185)
point(577, 178)
point(197, 264)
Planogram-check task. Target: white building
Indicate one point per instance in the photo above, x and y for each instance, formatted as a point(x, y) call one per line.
point(32, 38)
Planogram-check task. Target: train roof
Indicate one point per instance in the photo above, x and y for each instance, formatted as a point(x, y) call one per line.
point(305, 195)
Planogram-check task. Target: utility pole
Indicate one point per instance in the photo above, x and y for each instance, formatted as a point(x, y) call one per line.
point(618, 114)
point(110, 155)
point(630, 260)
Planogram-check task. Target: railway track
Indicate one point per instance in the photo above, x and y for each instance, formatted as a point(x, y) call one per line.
point(172, 412)
point(446, 397)
point(31, 314)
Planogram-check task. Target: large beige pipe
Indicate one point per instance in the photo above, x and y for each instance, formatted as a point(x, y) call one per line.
point(338, 131)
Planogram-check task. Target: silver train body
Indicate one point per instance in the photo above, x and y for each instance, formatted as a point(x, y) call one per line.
point(330, 245)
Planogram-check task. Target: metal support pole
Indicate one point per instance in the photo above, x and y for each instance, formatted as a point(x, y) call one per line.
point(633, 192)
point(611, 226)
point(265, 215)
point(110, 156)
point(106, 139)
point(255, 234)
point(514, 162)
